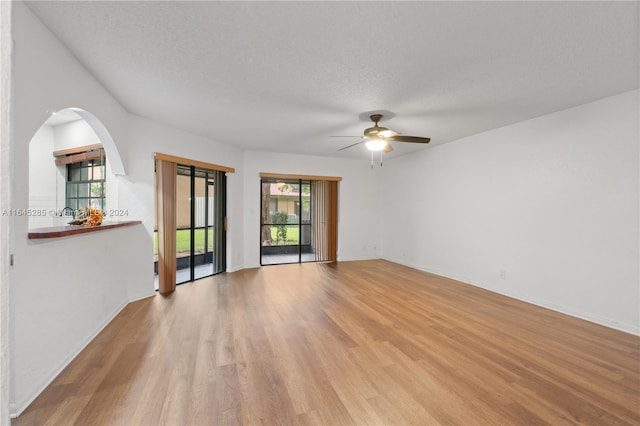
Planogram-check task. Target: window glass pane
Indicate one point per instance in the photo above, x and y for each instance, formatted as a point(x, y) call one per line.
point(83, 189)
point(83, 174)
point(199, 240)
point(73, 204)
point(96, 189)
point(305, 212)
point(98, 172)
point(74, 174)
point(72, 190)
point(83, 202)
point(305, 238)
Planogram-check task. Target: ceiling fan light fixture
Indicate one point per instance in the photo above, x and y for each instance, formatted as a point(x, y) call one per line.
point(378, 139)
point(375, 144)
point(387, 133)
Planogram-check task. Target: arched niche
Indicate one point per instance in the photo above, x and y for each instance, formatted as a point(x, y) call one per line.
point(64, 129)
point(115, 162)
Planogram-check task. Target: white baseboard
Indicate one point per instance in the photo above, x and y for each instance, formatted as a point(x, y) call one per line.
point(355, 259)
point(141, 296)
point(19, 406)
point(587, 316)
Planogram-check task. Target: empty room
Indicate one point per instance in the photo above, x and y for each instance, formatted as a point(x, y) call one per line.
point(331, 213)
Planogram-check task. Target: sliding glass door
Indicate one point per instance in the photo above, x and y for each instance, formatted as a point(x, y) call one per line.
point(200, 223)
point(191, 220)
point(289, 221)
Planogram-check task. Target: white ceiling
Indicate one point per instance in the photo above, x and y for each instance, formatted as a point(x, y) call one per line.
point(285, 76)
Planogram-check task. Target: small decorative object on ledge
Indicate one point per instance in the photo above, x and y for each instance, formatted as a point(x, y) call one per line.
point(88, 217)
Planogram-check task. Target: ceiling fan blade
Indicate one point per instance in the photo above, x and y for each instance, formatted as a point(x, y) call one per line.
point(412, 139)
point(387, 148)
point(353, 144)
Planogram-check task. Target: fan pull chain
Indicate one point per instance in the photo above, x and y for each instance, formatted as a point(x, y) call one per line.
point(372, 159)
point(380, 158)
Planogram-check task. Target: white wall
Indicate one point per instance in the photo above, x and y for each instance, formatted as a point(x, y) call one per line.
point(137, 188)
point(74, 287)
point(74, 134)
point(359, 234)
point(63, 290)
point(552, 202)
point(43, 177)
point(6, 137)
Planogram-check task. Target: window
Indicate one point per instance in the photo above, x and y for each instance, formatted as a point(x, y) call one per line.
point(86, 184)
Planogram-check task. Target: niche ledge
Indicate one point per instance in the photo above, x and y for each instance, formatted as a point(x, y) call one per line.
point(68, 230)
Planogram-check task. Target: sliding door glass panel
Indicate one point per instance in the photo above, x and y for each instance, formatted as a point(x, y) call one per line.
point(204, 223)
point(306, 253)
point(280, 222)
point(219, 228)
point(202, 256)
point(183, 225)
point(285, 235)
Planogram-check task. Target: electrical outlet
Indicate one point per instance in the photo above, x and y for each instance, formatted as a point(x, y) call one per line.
point(503, 274)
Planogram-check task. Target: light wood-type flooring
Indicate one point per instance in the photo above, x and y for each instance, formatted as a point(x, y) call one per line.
point(367, 342)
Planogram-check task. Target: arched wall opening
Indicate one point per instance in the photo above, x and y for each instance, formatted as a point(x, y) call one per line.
point(66, 129)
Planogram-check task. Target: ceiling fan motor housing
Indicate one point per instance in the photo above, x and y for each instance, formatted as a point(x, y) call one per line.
point(374, 132)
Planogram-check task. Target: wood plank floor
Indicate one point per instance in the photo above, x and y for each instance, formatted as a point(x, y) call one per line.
point(367, 342)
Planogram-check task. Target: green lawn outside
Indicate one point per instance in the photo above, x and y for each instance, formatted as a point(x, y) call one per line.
point(293, 236)
point(183, 240)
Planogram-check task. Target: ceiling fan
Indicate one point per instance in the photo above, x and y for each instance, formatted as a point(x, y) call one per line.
point(378, 138)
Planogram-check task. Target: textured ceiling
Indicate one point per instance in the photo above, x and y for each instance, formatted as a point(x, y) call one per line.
point(285, 76)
